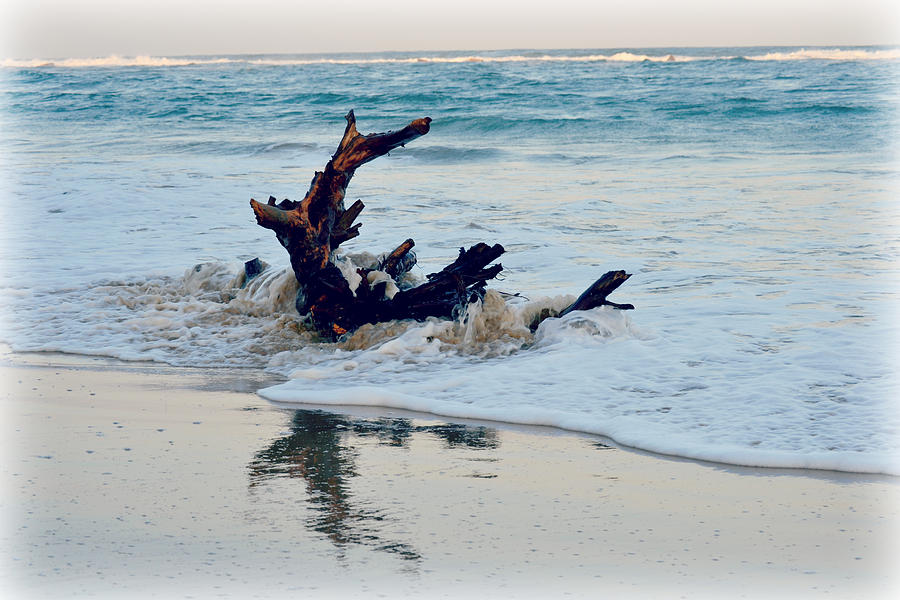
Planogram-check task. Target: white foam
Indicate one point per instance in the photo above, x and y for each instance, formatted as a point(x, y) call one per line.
point(633, 432)
point(590, 371)
point(115, 61)
point(150, 61)
point(595, 372)
point(201, 318)
point(830, 54)
point(376, 277)
point(584, 373)
point(349, 270)
point(620, 56)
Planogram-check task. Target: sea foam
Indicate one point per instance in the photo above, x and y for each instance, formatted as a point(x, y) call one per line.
point(574, 374)
point(623, 56)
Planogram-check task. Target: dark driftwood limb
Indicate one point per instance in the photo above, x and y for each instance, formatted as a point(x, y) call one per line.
point(458, 284)
point(596, 295)
point(592, 297)
point(399, 260)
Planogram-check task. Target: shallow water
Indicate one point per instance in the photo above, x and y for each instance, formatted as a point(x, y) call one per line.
point(751, 192)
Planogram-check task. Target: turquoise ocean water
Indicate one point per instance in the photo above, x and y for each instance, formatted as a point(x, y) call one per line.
point(752, 192)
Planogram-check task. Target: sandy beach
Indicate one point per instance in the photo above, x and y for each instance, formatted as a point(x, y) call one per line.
point(135, 480)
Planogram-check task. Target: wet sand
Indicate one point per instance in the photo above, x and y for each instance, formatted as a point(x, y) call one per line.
point(142, 481)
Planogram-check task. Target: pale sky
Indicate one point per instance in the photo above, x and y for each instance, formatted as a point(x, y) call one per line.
point(99, 28)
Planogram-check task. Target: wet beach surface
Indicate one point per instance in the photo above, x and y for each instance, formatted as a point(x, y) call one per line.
point(135, 480)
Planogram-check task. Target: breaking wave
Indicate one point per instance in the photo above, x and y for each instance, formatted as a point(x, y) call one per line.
point(115, 61)
point(212, 316)
point(624, 56)
point(830, 54)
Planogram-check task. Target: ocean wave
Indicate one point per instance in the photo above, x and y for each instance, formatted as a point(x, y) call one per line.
point(618, 425)
point(522, 124)
point(211, 316)
point(830, 54)
point(473, 58)
point(208, 317)
point(593, 356)
point(451, 154)
point(115, 61)
point(289, 147)
point(834, 109)
point(152, 61)
point(624, 56)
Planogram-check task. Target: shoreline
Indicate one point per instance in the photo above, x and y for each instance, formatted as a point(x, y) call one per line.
point(251, 380)
point(138, 480)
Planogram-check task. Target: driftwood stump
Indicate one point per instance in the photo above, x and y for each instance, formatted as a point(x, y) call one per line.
point(313, 228)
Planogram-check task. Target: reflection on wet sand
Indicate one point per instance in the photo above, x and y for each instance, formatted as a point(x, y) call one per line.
point(319, 450)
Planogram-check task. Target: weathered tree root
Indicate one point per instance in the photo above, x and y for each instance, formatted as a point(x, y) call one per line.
point(313, 228)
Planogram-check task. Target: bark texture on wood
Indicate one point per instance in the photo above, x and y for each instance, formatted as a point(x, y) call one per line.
point(459, 283)
point(312, 228)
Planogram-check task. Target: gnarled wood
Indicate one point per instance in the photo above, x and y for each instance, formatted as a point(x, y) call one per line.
point(458, 284)
point(311, 229)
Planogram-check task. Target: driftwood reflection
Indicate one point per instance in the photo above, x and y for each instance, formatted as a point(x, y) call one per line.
point(320, 451)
